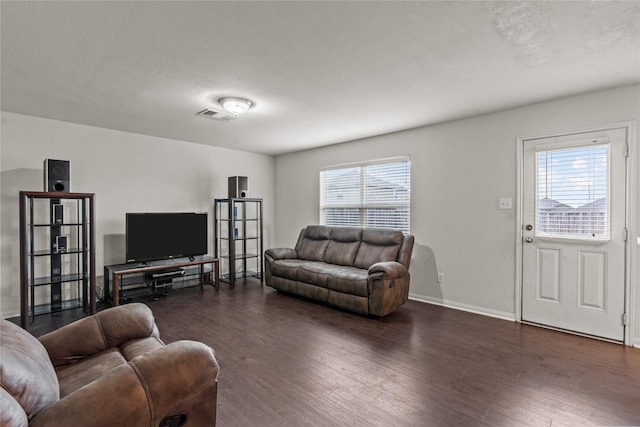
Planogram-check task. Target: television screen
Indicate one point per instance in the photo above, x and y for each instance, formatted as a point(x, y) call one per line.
point(153, 236)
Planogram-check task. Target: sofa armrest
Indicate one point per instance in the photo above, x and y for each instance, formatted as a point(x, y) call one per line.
point(281, 253)
point(388, 287)
point(106, 329)
point(178, 378)
point(388, 270)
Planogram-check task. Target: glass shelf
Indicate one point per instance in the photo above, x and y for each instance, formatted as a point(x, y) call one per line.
point(55, 224)
point(142, 278)
point(69, 304)
point(240, 256)
point(47, 252)
point(64, 278)
point(240, 238)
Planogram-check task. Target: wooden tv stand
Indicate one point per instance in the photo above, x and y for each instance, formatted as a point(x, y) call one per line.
point(115, 275)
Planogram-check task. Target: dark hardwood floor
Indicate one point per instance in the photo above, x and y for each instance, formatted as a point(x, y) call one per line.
point(285, 361)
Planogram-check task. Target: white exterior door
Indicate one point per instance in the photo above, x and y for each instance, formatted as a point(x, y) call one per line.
point(574, 232)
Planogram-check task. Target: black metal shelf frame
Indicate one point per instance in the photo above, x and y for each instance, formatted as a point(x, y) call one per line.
point(238, 240)
point(77, 284)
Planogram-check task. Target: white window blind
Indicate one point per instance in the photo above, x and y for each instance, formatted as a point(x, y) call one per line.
point(375, 194)
point(573, 193)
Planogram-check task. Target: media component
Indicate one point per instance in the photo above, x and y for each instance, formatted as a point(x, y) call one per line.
point(238, 187)
point(56, 175)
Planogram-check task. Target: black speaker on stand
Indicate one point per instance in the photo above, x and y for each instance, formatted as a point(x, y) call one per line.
point(238, 187)
point(56, 179)
point(56, 175)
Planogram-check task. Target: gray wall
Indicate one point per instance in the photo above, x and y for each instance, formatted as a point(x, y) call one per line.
point(127, 172)
point(460, 170)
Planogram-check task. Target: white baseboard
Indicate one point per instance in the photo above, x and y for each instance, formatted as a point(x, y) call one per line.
point(503, 315)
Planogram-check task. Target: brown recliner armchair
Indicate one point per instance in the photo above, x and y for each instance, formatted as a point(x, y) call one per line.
point(110, 369)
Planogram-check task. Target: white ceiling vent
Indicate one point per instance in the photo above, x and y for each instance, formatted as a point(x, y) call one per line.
point(218, 115)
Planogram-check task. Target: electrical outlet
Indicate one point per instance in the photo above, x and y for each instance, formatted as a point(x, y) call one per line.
point(440, 277)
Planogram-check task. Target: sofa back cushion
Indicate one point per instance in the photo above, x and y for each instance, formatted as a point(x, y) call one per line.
point(27, 373)
point(313, 242)
point(343, 246)
point(378, 244)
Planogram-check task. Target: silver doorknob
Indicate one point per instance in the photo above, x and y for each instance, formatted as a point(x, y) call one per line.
point(529, 240)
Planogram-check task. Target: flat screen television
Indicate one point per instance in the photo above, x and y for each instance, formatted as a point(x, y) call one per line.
point(156, 236)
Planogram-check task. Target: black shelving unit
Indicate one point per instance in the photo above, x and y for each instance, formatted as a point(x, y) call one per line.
point(57, 253)
point(238, 238)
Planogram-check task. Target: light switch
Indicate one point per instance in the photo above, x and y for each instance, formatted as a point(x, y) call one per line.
point(506, 203)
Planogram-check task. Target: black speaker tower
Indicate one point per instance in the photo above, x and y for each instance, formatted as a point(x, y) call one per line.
point(56, 179)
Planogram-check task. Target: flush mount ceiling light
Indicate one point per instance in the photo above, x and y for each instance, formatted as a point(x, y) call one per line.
point(234, 105)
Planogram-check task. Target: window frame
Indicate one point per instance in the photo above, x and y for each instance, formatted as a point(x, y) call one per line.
point(544, 234)
point(363, 206)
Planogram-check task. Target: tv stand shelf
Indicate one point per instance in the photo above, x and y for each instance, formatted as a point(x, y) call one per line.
point(119, 276)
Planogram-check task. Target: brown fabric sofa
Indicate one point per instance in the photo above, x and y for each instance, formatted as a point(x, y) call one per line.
point(361, 270)
point(110, 369)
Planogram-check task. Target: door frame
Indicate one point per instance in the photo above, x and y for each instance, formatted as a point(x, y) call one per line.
point(631, 286)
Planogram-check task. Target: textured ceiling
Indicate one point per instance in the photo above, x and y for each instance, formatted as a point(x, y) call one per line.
point(319, 72)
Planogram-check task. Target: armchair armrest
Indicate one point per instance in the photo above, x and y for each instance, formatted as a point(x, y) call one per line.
point(178, 378)
point(93, 334)
point(281, 253)
point(388, 270)
point(12, 414)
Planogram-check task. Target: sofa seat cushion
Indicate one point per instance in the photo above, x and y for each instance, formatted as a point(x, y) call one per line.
point(73, 377)
point(286, 268)
point(315, 273)
point(134, 348)
point(339, 278)
point(349, 280)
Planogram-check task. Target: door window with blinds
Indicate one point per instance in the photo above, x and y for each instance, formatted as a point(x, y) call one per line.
point(572, 185)
point(373, 194)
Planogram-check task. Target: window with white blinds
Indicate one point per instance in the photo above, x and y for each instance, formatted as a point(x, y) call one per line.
point(375, 194)
point(573, 192)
